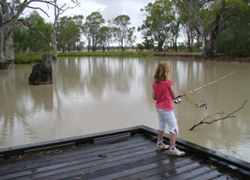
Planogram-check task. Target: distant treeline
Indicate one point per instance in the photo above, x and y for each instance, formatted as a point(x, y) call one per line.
point(210, 26)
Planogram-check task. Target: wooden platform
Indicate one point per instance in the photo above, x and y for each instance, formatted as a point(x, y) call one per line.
point(122, 154)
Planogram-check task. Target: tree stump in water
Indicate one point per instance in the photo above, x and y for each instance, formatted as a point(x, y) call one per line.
point(42, 72)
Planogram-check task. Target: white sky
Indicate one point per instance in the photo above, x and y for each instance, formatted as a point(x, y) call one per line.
point(108, 9)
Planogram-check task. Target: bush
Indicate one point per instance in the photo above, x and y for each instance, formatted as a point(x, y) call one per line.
point(28, 58)
point(239, 53)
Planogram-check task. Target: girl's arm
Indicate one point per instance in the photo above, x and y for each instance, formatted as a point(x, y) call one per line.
point(154, 95)
point(172, 92)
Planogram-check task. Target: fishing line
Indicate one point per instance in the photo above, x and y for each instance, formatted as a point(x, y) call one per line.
point(177, 100)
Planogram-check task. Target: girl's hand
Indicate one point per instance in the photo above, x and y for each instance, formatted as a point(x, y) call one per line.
point(177, 100)
point(154, 95)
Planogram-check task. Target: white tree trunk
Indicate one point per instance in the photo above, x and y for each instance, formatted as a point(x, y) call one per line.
point(54, 44)
point(9, 48)
point(2, 57)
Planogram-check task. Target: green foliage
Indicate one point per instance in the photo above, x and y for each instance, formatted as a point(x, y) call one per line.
point(158, 18)
point(104, 36)
point(123, 34)
point(69, 32)
point(148, 43)
point(92, 27)
point(235, 40)
point(27, 58)
point(30, 40)
point(140, 47)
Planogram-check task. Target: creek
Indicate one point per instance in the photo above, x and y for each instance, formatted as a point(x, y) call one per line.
point(96, 94)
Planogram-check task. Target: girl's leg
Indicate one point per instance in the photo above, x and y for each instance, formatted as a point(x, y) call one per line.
point(174, 151)
point(160, 136)
point(172, 138)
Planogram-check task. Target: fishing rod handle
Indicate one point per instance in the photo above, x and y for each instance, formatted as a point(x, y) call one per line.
point(177, 100)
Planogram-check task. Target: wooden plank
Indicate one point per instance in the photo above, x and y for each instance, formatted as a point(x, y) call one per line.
point(215, 167)
point(192, 173)
point(20, 150)
point(80, 162)
point(235, 174)
point(202, 150)
point(130, 158)
point(92, 155)
point(125, 167)
point(89, 161)
point(86, 148)
point(177, 171)
point(142, 169)
point(111, 162)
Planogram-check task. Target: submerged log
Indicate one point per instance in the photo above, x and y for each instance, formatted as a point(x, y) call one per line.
point(42, 72)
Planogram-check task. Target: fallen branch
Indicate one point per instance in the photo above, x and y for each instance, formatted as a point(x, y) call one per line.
point(202, 105)
point(230, 115)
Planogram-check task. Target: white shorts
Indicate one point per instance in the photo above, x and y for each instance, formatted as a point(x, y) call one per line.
point(167, 118)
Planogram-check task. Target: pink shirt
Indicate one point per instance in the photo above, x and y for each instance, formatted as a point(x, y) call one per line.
point(164, 98)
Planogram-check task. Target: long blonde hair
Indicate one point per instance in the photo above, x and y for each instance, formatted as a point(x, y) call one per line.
point(161, 73)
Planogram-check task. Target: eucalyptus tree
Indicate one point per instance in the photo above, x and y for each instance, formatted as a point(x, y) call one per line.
point(175, 29)
point(58, 11)
point(69, 32)
point(123, 34)
point(159, 15)
point(87, 34)
point(235, 39)
point(10, 11)
point(148, 43)
point(29, 40)
point(110, 35)
point(212, 16)
point(92, 27)
point(104, 37)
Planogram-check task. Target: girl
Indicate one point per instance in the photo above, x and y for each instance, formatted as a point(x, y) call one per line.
point(164, 94)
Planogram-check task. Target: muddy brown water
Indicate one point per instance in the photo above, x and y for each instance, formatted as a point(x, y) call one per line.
point(90, 95)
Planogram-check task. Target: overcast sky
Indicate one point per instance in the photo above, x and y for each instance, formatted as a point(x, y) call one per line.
point(108, 8)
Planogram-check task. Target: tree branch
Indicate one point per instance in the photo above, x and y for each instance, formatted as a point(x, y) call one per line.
point(203, 103)
point(27, 24)
point(230, 115)
point(39, 9)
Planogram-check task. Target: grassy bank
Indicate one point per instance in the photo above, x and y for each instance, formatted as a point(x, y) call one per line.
point(111, 53)
point(35, 57)
point(27, 58)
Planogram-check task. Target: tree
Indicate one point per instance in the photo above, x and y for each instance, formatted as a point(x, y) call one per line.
point(235, 39)
point(159, 15)
point(29, 40)
point(57, 13)
point(212, 16)
point(104, 36)
point(92, 28)
point(9, 15)
point(175, 29)
point(140, 47)
point(148, 43)
point(123, 34)
point(69, 32)
point(189, 24)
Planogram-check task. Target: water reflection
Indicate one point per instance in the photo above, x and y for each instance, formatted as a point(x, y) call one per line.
point(91, 95)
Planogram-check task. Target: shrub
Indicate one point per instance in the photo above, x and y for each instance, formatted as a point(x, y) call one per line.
point(27, 58)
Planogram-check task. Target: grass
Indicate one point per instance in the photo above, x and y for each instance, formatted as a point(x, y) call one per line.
point(36, 57)
point(111, 53)
point(28, 58)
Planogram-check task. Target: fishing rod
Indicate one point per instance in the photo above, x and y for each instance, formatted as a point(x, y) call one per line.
point(177, 100)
